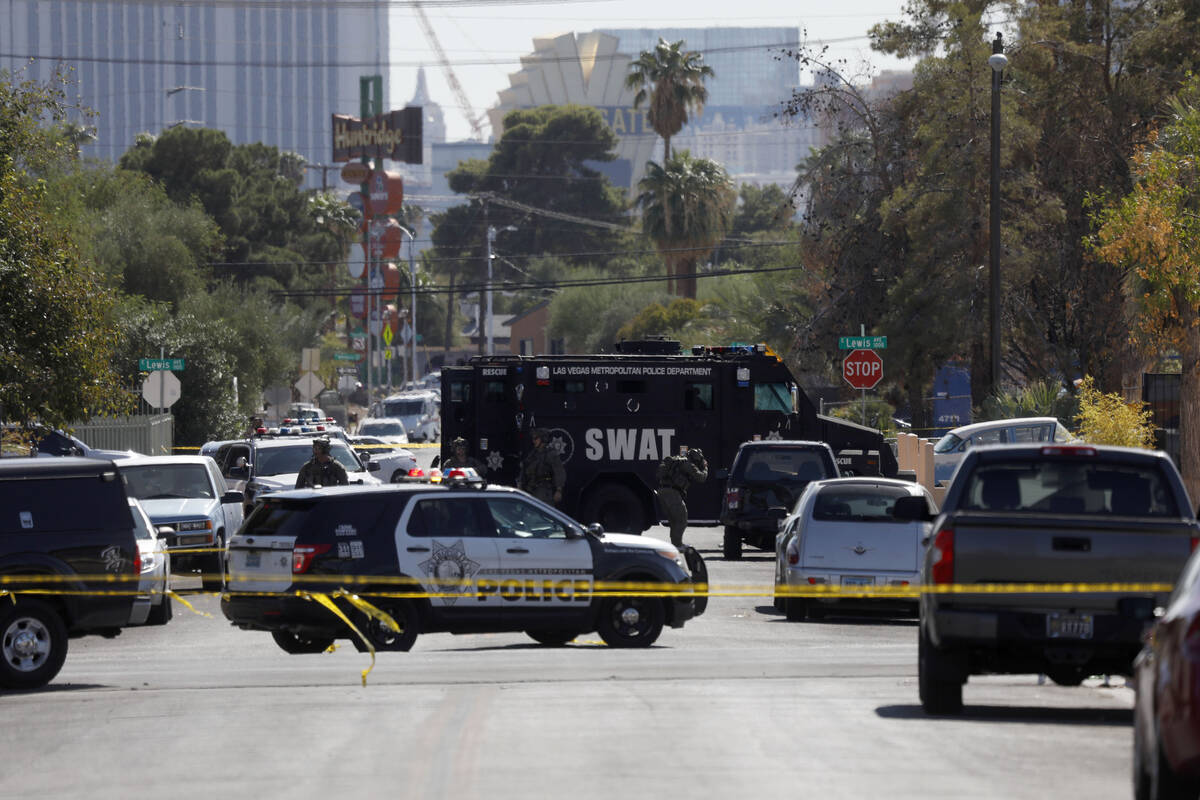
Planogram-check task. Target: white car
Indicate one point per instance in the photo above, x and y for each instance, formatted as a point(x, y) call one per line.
point(843, 537)
point(420, 411)
point(388, 429)
point(951, 448)
point(394, 461)
point(151, 606)
point(190, 504)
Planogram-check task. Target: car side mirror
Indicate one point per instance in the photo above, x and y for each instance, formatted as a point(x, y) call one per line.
point(436, 460)
point(572, 533)
point(364, 456)
point(595, 529)
point(374, 466)
point(912, 509)
point(233, 497)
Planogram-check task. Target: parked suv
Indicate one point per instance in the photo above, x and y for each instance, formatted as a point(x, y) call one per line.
point(763, 485)
point(470, 558)
point(65, 524)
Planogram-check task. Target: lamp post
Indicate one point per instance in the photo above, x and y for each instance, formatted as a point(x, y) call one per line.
point(412, 284)
point(491, 240)
point(997, 61)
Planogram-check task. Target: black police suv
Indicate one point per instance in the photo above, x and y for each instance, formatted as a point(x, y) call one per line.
point(470, 558)
point(767, 477)
point(65, 525)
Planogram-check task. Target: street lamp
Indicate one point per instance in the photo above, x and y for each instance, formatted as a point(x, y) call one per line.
point(997, 61)
point(412, 282)
point(491, 240)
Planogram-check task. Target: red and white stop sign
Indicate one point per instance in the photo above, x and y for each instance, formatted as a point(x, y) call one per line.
point(862, 369)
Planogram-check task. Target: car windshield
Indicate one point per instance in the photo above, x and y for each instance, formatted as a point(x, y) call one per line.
point(947, 444)
point(403, 408)
point(286, 460)
point(382, 429)
point(857, 503)
point(159, 481)
point(779, 465)
point(1069, 486)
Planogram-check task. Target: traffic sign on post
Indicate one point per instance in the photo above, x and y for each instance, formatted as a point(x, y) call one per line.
point(862, 369)
point(161, 389)
point(309, 386)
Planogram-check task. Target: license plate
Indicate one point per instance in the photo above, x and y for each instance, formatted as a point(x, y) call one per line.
point(253, 560)
point(857, 580)
point(1068, 626)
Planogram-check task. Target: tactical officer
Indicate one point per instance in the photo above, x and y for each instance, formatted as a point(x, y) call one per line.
point(542, 472)
point(322, 469)
point(675, 476)
point(461, 459)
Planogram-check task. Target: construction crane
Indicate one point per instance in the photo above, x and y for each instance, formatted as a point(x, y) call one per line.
point(449, 70)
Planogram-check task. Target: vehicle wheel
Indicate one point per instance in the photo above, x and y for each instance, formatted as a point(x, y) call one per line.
point(161, 613)
point(299, 645)
point(1067, 676)
point(732, 544)
point(384, 638)
point(552, 638)
point(699, 572)
point(33, 644)
point(213, 577)
point(631, 621)
point(616, 508)
point(397, 476)
point(938, 695)
point(796, 608)
point(1166, 783)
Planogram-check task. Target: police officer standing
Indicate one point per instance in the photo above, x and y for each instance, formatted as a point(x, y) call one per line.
point(461, 459)
point(675, 476)
point(322, 469)
point(542, 472)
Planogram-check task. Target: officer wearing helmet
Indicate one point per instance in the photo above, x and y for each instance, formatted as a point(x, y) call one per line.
point(322, 469)
point(675, 476)
point(542, 471)
point(461, 459)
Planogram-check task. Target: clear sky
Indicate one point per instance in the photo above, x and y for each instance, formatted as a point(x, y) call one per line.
point(483, 41)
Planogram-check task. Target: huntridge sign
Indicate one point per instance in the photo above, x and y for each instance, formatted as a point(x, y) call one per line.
point(396, 135)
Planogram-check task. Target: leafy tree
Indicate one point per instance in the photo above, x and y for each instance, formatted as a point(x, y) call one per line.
point(1108, 419)
point(762, 209)
point(56, 334)
point(1043, 398)
point(588, 318)
point(1153, 236)
point(672, 79)
point(687, 206)
point(657, 319)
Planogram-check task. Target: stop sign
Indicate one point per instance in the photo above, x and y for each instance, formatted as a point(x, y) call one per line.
point(862, 369)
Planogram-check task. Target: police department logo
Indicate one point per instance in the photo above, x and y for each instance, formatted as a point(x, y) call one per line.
point(450, 569)
point(561, 442)
point(495, 460)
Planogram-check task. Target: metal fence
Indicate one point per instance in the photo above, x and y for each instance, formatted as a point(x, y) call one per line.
point(149, 434)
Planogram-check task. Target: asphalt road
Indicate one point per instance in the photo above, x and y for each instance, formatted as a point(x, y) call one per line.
point(739, 703)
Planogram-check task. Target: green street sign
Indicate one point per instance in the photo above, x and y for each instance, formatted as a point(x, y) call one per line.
point(345, 356)
point(152, 364)
point(862, 343)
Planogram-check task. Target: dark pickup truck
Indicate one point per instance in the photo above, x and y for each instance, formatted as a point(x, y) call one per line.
point(68, 561)
point(1105, 530)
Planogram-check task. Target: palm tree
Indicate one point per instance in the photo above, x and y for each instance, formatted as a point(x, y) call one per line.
point(673, 79)
point(687, 208)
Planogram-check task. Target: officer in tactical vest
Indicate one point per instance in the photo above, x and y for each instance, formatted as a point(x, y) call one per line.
point(322, 469)
point(542, 472)
point(675, 476)
point(461, 459)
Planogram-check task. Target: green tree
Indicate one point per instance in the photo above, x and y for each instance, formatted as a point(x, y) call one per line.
point(56, 333)
point(672, 79)
point(1153, 236)
point(762, 209)
point(687, 206)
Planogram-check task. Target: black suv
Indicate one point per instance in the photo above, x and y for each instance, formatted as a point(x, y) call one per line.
point(763, 485)
point(65, 525)
point(477, 558)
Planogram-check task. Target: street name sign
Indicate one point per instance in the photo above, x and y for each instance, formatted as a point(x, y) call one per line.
point(151, 364)
point(862, 343)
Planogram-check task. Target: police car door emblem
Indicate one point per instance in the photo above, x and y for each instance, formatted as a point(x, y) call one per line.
point(451, 570)
point(562, 443)
point(495, 460)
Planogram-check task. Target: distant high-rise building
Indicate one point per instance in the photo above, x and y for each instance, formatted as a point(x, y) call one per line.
point(269, 72)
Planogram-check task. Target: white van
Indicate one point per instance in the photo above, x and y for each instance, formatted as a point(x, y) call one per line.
point(951, 448)
point(420, 411)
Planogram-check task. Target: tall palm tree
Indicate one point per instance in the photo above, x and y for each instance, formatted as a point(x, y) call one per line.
point(673, 80)
point(687, 208)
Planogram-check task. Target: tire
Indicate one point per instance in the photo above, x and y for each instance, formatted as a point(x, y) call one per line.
point(552, 638)
point(213, 577)
point(616, 508)
point(397, 476)
point(1067, 676)
point(731, 546)
point(160, 614)
point(33, 644)
point(631, 621)
point(298, 645)
point(796, 608)
point(939, 696)
point(384, 638)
